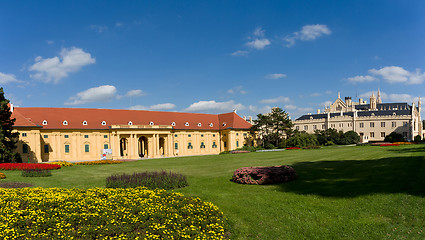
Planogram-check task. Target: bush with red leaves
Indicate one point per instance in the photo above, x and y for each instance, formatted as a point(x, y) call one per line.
point(23, 166)
point(264, 175)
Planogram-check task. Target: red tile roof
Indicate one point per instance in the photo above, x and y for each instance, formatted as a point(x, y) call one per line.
point(55, 117)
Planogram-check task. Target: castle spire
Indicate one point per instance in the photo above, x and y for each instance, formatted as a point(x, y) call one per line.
point(378, 100)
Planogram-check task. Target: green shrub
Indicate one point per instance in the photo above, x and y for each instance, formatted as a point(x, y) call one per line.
point(417, 138)
point(36, 173)
point(150, 180)
point(394, 137)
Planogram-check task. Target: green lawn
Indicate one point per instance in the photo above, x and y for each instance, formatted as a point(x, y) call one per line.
point(341, 192)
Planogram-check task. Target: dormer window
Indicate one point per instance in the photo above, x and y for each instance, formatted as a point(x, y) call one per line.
point(65, 123)
point(45, 122)
point(394, 114)
point(211, 125)
point(103, 123)
point(224, 124)
point(173, 124)
point(130, 123)
point(151, 123)
point(199, 124)
point(84, 122)
point(186, 124)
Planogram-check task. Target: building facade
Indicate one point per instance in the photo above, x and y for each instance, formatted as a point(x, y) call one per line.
point(371, 121)
point(75, 134)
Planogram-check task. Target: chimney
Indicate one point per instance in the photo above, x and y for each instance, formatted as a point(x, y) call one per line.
point(318, 111)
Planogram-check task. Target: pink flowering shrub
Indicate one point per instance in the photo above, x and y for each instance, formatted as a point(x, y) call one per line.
point(264, 175)
point(23, 166)
point(239, 151)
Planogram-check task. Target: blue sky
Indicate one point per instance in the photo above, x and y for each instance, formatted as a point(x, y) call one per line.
point(210, 56)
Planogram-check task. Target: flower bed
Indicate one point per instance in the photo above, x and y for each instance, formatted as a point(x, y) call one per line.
point(239, 151)
point(98, 213)
point(62, 163)
point(292, 148)
point(22, 166)
point(2, 176)
point(15, 185)
point(150, 180)
point(264, 175)
point(98, 162)
point(389, 144)
point(36, 173)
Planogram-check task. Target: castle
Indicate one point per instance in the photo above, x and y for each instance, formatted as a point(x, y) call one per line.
point(371, 121)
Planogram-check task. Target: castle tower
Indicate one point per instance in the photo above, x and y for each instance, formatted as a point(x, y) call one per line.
point(378, 100)
point(372, 102)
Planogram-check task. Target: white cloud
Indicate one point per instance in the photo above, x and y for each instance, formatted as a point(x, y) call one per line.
point(391, 97)
point(138, 107)
point(135, 93)
point(54, 69)
point(6, 78)
point(279, 99)
point(240, 53)
point(99, 28)
point(326, 103)
point(257, 110)
point(289, 107)
point(360, 79)
point(214, 107)
point(395, 74)
point(103, 93)
point(258, 44)
point(259, 32)
point(163, 106)
point(276, 76)
point(237, 89)
point(307, 33)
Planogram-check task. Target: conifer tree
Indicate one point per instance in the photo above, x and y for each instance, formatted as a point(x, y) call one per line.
point(8, 139)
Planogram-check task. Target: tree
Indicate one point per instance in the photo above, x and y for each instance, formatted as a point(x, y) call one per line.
point(394, 137)
point(272, 127)
point(8, 139)
point(302, 139)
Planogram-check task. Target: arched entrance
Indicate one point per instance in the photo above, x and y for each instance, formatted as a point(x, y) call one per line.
point(161, 146)
point(123, 147)
point(143, 147)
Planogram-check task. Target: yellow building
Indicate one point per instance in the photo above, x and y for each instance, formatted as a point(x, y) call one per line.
point(51, 134)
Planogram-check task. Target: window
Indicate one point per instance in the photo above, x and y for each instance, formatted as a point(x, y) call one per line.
point(225, 144)
point(24, 148)
point(323, 126)
point(361, 125)
point(46, 148)
point(306, 127)
point(404, 124)
point(382, 134)
point(175, 135)
point(214, 145)
point(382, 124)
point(46, 136)
point(44, 122)
point(103, 123)
point(372, 124)
point(372, 134)
point(341, 125)
point(66, 136)
point(202, 135)
point(173, 124)
point(66, 148)
point(105, 136)
point(361, 135)
point(86, 148)
point(213, 135)
point(224, 124)
point(84, 122)
point(199, 124)
point(202, 145)
point(186, 124)
point(176, 146)
point(190, 135)
point(237, 143)
point(86, 136)
point(297, 127)
point(314, 127)
point(393, 124)
point(151, 123)
point(211, 125)
point(105, 146)
point(24, 134)
point(130, 123)
point(244, 134)
point(189, 146)
point(405, 134)
point(237, 134)
point(65, 123)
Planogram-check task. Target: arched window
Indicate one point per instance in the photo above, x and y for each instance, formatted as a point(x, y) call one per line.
point(84, 122)
point(199, 124)
point(45, 122)
point(211, 125)
point(103, 123)
point(173, 124)
point(151, 123)
point(130, 123)
point(65, 123)
point(186, 124)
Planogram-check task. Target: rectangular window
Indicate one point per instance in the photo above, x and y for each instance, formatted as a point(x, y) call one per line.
point(202, 145)
point(382, 134)
point(189, 135)
point(24, 134)
point(66, 148)
point(237, 134)
point(361, 134)
point(297, 128)
point(404, 124)
point(372, 134)
point(46, 136)
point(361, 125)
point(382, 124)
point(105, 136)
point(86, 136)
point(244, 134)
point(189, 146)
point(225, 144)
point(86, 148)
point(213, 135)
point(24, 148)
point(202, 135)
point(372, 124)
point(237, 143)
point(105, 146)
point(66, 136)
point(46, 148)
point(175, 135)
point(306, 127)
point(314, 127)
point(323, 126)
point(214, 145)
point(393, 124)
point(176, 146)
